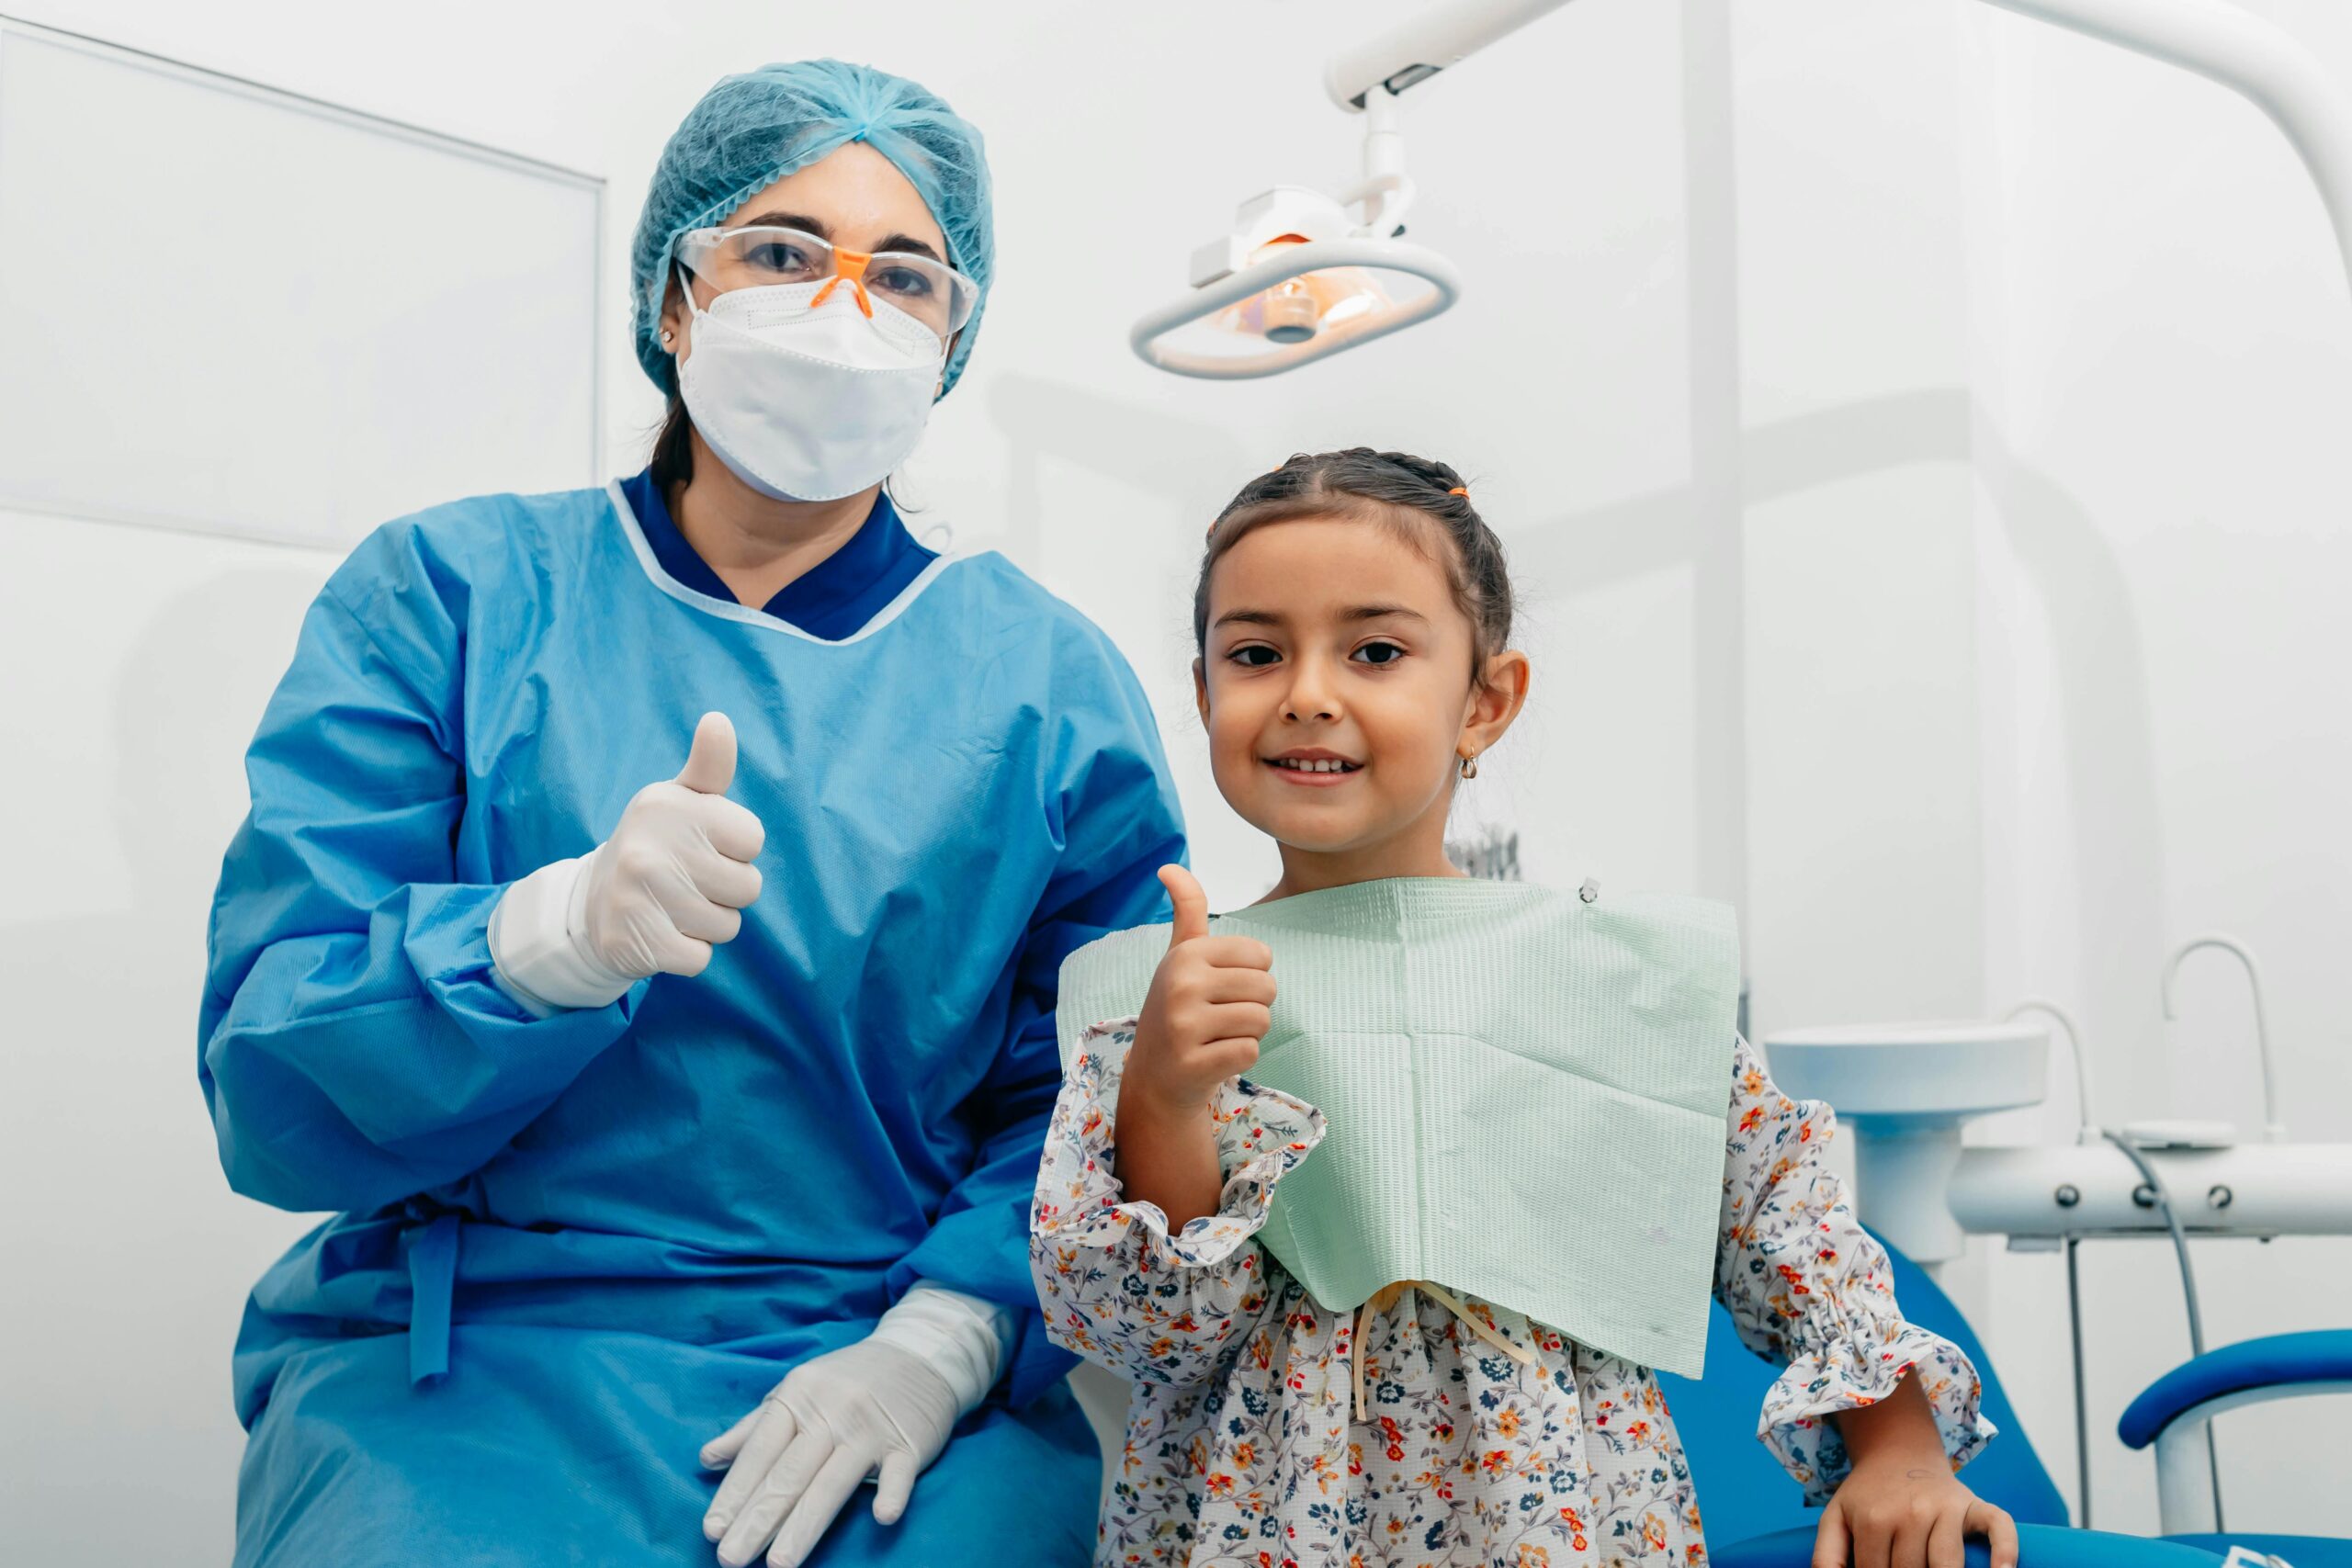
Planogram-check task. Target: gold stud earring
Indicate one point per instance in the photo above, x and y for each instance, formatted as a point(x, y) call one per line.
point(1470, 766)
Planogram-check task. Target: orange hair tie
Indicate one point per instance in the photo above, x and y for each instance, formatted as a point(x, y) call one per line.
point(1460, 491)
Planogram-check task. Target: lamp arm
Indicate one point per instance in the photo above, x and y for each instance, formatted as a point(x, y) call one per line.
point(2222, 43)
point(2256, 60)
point(1385, 191)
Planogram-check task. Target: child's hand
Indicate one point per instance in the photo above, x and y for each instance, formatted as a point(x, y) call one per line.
point(1909, 1511)
point(1206, 1010)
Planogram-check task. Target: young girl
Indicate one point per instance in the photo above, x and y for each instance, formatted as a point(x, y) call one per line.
point(1352, 617)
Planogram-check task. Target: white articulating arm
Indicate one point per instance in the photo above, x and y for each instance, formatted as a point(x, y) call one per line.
point(2215, 39)
point(2248, 55)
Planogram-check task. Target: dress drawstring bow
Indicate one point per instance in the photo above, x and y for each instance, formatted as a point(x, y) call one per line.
point(1388, 1296)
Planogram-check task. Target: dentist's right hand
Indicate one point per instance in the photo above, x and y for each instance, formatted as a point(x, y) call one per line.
point(652, 899)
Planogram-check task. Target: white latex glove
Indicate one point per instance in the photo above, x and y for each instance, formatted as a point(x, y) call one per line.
point(885, 1403)
point(819, 1433)
point(652, 899)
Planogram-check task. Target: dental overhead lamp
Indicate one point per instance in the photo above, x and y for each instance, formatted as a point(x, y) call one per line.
point(1303, 275)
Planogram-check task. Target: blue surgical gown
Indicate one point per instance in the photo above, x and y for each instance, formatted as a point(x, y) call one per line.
point(570, 1250)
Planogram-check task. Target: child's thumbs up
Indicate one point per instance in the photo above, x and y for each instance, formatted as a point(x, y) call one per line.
point(1191, 905)
point(1209, 1004)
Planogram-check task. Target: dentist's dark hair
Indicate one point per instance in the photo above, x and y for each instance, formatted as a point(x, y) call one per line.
point(673, 450)
point(1417, 495)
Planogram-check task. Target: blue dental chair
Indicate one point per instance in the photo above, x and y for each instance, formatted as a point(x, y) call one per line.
point(2173, 1412)
point(1756, 1517)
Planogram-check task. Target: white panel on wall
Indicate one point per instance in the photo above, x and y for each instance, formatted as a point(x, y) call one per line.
point(230, 309)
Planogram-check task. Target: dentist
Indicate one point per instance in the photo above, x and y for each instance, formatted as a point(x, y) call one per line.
point(645, 935)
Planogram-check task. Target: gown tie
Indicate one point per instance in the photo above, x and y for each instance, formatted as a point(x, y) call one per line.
point(432, 1284)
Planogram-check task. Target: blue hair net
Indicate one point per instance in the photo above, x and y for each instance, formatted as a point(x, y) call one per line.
point(750, 130)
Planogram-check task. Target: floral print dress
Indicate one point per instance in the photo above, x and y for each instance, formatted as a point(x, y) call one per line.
point(1243, 1446)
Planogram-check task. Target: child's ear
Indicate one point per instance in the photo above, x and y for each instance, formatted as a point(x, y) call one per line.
point(1201, 688)
point(1496, 700)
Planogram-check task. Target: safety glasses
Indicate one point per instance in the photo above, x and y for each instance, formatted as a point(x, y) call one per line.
point(759, 257)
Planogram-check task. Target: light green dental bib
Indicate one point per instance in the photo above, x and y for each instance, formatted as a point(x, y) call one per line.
point(1525, 1095)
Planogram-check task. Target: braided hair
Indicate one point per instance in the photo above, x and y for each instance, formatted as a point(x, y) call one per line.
point(1417, 495)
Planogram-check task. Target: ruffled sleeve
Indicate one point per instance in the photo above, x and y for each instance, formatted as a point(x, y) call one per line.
point(1808, 1286)
point(1117, 1288)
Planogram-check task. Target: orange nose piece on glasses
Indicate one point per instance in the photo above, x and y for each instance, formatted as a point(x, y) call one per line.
point(850, 264)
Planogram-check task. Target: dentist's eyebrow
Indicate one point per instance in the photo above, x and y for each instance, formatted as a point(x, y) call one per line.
point(904, 243)
point(907, 244)
point(800, 221)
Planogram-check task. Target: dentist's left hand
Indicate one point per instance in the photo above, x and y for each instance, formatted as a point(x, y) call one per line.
point(886, 1403)
point(833, 1421)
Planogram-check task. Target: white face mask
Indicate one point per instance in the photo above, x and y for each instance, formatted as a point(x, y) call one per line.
point(808, 405)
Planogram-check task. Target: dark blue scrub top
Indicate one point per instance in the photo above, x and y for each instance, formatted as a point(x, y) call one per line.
point(832, 599)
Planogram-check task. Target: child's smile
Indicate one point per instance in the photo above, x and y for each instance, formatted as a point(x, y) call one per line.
point(1314, 767)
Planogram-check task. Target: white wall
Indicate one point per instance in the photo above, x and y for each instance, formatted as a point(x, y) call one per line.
point(1860, 657)
point(2046, 358)
point(2165, 481)
point(1972, 387)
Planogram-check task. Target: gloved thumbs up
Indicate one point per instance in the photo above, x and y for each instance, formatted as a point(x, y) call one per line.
point(710, 764)
point(1191, 905)
point(654, 899)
